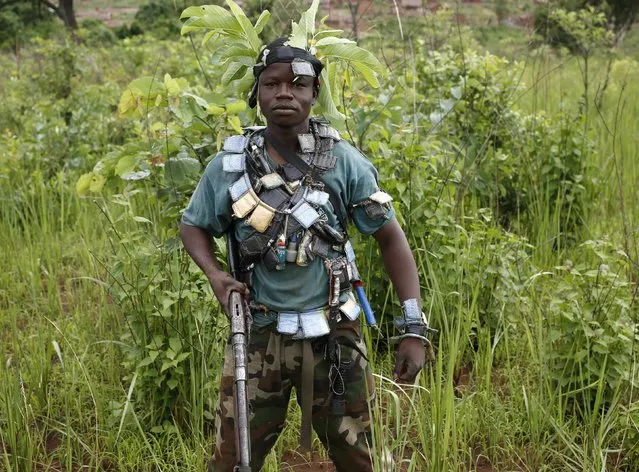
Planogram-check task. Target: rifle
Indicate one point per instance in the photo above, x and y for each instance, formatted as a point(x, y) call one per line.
point(240, 320)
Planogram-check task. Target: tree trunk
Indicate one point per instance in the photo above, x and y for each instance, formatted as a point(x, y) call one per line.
point(66, 8)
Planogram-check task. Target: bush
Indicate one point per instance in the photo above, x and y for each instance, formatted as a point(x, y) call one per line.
point(21, 21)
point(95, 33)
point(591, 324)
point(161, 18)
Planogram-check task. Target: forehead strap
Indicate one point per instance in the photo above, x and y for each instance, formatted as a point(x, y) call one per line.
point(302, 62)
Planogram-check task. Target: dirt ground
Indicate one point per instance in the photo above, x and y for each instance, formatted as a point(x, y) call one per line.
point(110, 16)
point(295, 462)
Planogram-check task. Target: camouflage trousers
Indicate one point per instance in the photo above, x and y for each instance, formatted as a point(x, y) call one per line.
point(341, 396)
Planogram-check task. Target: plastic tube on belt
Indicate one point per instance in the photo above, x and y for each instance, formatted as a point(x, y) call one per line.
point(363, 301)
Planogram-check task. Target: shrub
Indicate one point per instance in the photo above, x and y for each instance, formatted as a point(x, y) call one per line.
point(591, 322)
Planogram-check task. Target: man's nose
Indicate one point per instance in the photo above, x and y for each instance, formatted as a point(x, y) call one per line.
point(284, 90)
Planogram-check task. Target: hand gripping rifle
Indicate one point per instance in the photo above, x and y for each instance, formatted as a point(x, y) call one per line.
point(240, 319)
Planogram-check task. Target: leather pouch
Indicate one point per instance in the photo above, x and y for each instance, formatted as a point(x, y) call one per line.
point(319, 247)
point(376, 210)
point(274, 197)
point(240, 187)
point(234, 163)
point(245, 204)
point(270, 259)
point(305, 214)
point(272, 180)
point(288, 323)
point(261, 217)
point(314, 324)
point(350, 308)
point(252, 248)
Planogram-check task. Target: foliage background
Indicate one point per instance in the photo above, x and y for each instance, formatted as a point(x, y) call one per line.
point(513, 166)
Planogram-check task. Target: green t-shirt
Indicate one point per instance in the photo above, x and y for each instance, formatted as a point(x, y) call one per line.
point(295, 288)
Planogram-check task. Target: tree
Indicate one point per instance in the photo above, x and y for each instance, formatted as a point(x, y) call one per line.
point(28, 10)
point(64, 10)
point(621, 13)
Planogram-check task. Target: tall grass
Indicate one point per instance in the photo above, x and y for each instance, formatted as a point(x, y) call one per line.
point(489, 399)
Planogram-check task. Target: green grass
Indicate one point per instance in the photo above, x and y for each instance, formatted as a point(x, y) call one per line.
point(490, 399)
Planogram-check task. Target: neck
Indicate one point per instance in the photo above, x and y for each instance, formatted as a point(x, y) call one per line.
point(288, 135)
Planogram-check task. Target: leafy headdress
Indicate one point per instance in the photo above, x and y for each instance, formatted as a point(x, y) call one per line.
point(237, 43)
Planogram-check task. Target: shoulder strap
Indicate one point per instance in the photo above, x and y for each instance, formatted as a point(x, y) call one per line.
point(293, 159)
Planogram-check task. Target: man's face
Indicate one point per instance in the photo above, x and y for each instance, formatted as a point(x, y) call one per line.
point(286, 99)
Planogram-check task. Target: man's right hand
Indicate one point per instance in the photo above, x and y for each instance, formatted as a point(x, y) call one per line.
point(197, 243)
point(223, 284)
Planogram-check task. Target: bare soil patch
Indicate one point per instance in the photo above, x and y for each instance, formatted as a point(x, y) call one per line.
point(294, 462)
point(110, 16)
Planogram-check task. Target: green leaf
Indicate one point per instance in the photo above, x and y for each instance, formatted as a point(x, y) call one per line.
point(368, 74)
point(233, 108)
point(234, 71)
point(304, 30)
point(147, 86)
point(212, 17)
point(328, 32)
point(203, 10)
point(361, 59)
point(97, 182)
point(127, 103)
point(245, 83)
point(83, 183)
point(235, 123)
point(146, 361)
point(172, 86)
point(172, 383)
point(182, 356)
point(176, 343)
point(237, 51)
point(182, 170)
point(333, 40)
point(249, 32)
point(199, 100)
point(187, 108)
point(260, 23)
point(325, 99)
point(143, 88)
point(215, 110)
point(125, 164)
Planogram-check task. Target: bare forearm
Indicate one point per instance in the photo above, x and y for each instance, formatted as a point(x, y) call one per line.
point(398, 260)
point(200, 247)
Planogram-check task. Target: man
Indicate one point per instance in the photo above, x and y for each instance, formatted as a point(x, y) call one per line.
point(290, 225)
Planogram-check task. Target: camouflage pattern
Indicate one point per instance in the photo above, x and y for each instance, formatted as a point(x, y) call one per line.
point(340, 401)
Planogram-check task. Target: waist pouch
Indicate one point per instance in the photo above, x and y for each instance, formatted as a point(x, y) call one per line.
point(314, 323)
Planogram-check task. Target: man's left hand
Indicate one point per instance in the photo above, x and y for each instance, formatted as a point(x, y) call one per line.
point(409, 360)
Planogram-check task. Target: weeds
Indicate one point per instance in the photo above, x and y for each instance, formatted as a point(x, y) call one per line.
point(111, 340)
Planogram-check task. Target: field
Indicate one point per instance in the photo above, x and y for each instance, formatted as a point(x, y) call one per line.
point(514, 173)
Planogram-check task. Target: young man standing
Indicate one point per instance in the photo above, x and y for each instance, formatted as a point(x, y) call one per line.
point(290, 228)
